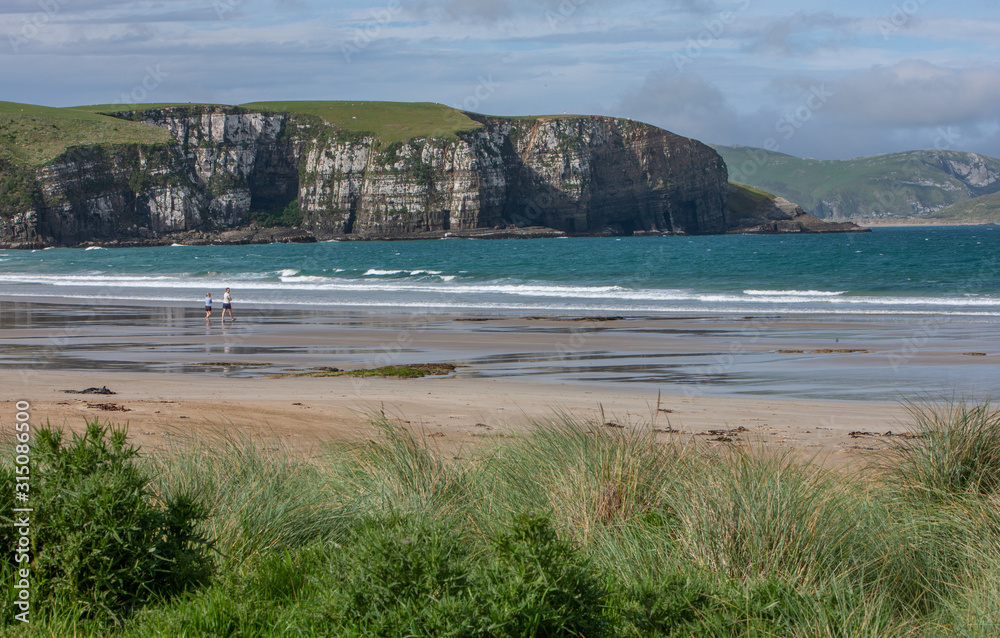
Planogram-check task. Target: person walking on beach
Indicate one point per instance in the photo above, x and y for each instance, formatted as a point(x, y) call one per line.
point(227, 304)
point(208, 306)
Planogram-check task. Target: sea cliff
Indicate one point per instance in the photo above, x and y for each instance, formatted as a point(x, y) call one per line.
point(225, 168)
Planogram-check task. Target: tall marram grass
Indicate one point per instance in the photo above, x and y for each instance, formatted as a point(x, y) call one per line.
point(399, 473)
point(590, 476)
point(956, 450)
point(576, 529)
point(260, 499)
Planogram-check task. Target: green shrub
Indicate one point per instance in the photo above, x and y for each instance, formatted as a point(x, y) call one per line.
point(405, 577)
point(103, 545)
point(290, 215)
point(416, 577)
point(541, 585)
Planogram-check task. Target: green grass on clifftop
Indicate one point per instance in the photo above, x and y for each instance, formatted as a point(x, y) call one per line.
point(390, 121)
point(35, 135)
point(125, 108)
point(745, 199)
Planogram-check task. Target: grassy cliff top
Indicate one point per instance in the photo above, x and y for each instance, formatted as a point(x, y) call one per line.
point(564, 116)
point(35, 135)
point(390, 121)
point(747, 202)
point(125, 108)
point(743, 198)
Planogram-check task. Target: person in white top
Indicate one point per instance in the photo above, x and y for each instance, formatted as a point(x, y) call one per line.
point(227, 305)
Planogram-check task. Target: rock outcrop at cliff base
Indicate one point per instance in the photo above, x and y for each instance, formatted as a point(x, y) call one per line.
point(754, 212)
point(228, 167)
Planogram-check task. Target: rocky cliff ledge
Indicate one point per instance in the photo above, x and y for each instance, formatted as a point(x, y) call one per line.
point(230, 168)
point(755, 212)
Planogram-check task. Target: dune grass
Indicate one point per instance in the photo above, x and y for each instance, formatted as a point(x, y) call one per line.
point(958, 450)
point(577, 529)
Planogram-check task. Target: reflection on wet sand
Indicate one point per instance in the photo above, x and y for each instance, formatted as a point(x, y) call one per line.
point(813, 358)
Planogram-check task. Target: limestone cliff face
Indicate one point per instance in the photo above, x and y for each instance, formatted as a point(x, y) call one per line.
point(104, 193)
point(581, 175)
point(584, 175)
point(972, 169)
point(208, 179)
point(599, 175)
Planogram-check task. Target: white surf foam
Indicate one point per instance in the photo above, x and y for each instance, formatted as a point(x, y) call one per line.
point(794, 293)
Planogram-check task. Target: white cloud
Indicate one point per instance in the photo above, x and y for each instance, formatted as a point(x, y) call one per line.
point(494, 11)
point(617, 57)
point(685, 104)
point(906, 106)
point(917, 93)
point(802, 32)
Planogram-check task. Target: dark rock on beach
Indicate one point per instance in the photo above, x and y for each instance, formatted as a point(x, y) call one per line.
point(100, 390)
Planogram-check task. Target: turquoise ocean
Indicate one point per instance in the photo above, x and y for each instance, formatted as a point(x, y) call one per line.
point(890, 271)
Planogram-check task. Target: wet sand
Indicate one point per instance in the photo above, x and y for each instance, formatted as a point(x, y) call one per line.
point(800, 383)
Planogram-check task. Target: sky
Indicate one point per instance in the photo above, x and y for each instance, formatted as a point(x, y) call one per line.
point(812, 78)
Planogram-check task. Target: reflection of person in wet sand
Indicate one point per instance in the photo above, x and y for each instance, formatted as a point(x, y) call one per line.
point(227, 304)
point(208, 305)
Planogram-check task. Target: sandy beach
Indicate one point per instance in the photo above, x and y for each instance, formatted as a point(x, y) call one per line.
point(823, 388)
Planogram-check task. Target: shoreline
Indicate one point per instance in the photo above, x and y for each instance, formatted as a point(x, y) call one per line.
point(254, 235)
point(797, 383)
point(916, 222)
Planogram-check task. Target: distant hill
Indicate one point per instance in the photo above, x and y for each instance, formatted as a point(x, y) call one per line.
point(980, 210)
point(893, 185)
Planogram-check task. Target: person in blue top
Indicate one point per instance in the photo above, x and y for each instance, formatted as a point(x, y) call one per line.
point(208, 306)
